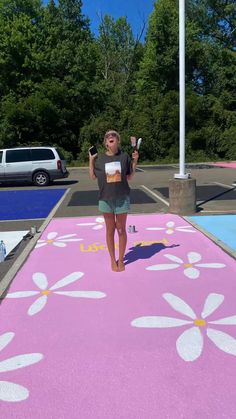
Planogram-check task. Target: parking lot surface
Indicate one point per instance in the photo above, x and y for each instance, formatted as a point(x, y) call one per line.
point(78, 340)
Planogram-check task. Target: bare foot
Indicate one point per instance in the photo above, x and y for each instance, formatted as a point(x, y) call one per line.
point(121, 265)
point(114, 266)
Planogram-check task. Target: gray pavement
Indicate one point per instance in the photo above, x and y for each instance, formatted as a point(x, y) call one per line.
point(215, 193)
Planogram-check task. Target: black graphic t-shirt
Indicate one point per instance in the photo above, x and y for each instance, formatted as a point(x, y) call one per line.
point(111, 173)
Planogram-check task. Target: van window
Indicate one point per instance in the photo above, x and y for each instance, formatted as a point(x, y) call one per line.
point(14, 156)
point(1, 153)
point(60, 154)
point(42, 154)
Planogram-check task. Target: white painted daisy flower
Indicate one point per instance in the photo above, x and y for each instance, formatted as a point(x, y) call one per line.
point(189, 345)
point(170, 228)
point(41, 281)
point(11, 392)
point(95, 226)
point(60, 241)
point(190, 268)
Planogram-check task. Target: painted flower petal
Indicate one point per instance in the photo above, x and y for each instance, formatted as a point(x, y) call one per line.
point(68, 240)
point(222, 340)
point(179, 305)
point(40, 280)
point(192, 273)
point(184, 230)
point(10, 392)
point(86, 224)
point(38, 305)
point(194, 257)
point(66, 236)
point(40, 244)
point(67, 280)
point(213, 301)
point(20, 294)
point(162, 267)
point(190, 344)
point(20, 361)
point(170, 224)
point(52, 235)
point(211, 265)
point(82, 294)
point(5, 339)
point(173, 258)
point(226, 320)
point(158, 321)
point(100, 220)
point(155, 228)
point(59, 244)
point(98, 227)
point(186, 226)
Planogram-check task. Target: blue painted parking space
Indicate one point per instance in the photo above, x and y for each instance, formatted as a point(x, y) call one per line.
point(223, 227)
point(28, 204)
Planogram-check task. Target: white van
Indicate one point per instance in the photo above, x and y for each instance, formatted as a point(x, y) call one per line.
point(40, 165)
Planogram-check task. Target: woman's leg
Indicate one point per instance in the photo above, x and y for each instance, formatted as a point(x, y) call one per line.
point(121, 230)
point(110, 233)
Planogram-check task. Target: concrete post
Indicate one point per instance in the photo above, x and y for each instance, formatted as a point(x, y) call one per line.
point(182, 196)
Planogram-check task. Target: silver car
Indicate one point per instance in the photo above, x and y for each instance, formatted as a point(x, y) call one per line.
point(38, 165)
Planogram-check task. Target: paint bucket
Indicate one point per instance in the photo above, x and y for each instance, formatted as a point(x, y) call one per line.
point(131, 229)
point(33, 230)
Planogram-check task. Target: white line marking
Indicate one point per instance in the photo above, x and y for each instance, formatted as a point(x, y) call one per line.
point(155, 195)
point(224, 185)
point(140, 170)
point(220, 211)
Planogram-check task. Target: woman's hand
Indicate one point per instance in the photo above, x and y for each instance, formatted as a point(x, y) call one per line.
point(135, 156)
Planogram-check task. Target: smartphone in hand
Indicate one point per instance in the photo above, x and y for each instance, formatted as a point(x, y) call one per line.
point(93, 150)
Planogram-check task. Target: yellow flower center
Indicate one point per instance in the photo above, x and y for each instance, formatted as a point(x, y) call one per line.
point(45, 292)
point(200, 322)
point(188, 265)
point(50, 241)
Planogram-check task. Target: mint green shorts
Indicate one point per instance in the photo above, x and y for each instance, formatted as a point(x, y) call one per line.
point(115, 206)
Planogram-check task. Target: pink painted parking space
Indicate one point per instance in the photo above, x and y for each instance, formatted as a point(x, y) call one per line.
point(231, 165)
point(156, 341)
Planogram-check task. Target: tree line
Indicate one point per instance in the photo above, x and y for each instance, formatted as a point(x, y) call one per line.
point(61, 85)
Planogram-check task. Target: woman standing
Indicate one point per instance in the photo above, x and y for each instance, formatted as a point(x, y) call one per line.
point(112, 170)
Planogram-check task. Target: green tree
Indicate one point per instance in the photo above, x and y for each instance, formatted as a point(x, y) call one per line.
point(118, 61)
point(48, 72)
point(210, 79)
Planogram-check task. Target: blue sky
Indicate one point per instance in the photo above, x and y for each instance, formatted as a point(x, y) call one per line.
point(136, 11)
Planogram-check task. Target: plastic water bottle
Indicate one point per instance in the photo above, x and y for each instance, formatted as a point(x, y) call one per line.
point(2, 251)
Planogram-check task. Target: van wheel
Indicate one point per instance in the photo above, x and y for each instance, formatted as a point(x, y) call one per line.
point(41, 179)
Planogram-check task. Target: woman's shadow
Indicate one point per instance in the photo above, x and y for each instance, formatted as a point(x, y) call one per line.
point(144, 251)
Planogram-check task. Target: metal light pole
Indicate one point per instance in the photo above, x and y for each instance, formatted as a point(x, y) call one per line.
point(182, 189)
point(181, 174)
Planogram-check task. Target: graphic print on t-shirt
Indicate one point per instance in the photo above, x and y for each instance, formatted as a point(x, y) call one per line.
point(113, 171)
